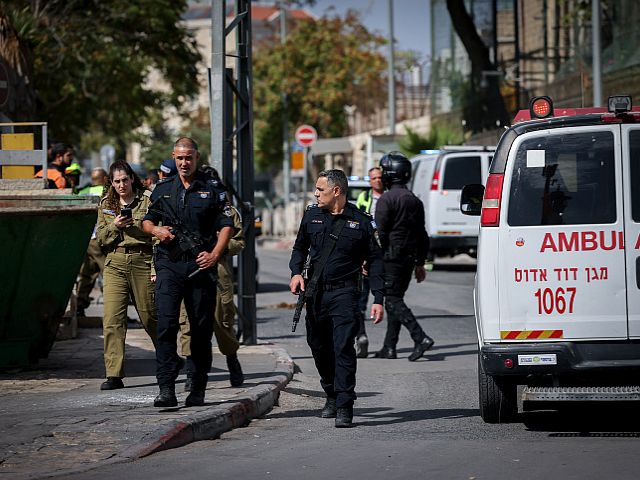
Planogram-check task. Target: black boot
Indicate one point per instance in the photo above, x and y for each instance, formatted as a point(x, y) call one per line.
point(112, 383)
point(236, 377)
point(419, 349)
point(195, 398)
point(344, 417)
point(329, 409)
point(167, 397)
point(386, 352)
point(362, 346)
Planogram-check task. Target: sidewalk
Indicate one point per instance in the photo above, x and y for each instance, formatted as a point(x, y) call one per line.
point(54, 419)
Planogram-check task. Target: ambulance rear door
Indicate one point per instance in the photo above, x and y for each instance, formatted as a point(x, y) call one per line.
point(631, 182)
point(561, 241)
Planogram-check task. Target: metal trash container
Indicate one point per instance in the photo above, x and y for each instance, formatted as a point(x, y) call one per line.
point(43, 240)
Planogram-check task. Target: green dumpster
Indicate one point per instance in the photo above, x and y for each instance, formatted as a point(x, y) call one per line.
point(43, 240)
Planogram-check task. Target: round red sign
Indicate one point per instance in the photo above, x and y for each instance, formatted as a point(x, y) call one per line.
point(4, 85)
point(306, 135)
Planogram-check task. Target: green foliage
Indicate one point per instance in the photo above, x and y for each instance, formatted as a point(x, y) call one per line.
point(438, 136)
point(92, 60)
point(324, 65)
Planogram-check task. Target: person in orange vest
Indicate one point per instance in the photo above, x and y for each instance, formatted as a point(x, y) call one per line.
point(61, 158)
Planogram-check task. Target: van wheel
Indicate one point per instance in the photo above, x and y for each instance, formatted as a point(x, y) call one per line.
point(498, 403)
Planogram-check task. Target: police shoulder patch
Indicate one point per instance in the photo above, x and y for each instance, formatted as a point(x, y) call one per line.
point(311, 206)
point(214, 182)
point(227, 211)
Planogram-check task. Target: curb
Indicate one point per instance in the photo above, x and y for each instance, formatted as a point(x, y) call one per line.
point(213, 422)
point(208, 424)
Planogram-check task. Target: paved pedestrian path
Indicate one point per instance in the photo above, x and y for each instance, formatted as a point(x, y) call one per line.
point(55, 420)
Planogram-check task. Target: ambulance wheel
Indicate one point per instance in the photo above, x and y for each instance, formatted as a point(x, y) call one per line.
point(498, 402)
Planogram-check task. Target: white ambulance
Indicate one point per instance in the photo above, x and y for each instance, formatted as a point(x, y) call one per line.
point(557, 293)
point(438, 178)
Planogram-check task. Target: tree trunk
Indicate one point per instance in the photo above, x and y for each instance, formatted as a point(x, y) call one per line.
point(484, 106)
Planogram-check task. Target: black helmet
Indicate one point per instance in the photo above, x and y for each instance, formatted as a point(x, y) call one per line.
point(396, 168)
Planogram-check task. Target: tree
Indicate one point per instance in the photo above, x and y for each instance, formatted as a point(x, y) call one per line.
point(89, 61)
point(439, 135)
point(483, 104)
point(324, 65)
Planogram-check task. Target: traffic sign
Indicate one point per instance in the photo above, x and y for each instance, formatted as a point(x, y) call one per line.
point(4, 85)
point(306, 135)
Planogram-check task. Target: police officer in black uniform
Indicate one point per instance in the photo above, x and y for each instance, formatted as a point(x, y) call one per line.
point(197, 202)
point(331, 319)
point(405, 243)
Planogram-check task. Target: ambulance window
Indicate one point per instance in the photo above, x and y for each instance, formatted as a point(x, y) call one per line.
point(461, 171)
point(634, 161)
point(566, 179)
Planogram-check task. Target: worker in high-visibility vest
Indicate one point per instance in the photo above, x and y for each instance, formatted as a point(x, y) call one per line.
point(367, 201)
point(93, 264)
point(61, 158)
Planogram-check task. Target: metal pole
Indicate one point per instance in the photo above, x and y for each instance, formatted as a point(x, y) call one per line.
point(286, 166)
point(545, 29)
point(305, 177)
point(516, 34)
point(392, 82)
point(597, 69)
point(216, 100)
point(244, 128)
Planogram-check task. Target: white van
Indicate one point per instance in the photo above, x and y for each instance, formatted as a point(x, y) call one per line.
point(557, 292)
point(438, 178)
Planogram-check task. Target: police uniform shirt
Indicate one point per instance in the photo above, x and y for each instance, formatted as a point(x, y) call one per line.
point(356, 243)
point(400, 220)
point(202, 208)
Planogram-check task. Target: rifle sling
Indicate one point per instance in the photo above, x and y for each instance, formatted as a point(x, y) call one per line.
point(326, 251)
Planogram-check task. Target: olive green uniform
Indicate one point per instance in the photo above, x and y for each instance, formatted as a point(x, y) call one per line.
point(127, 271)
point(223, 327)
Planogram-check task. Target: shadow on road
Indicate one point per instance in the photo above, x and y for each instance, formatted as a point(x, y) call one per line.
point(386, 416)
point(601, 420)
point(455, 267)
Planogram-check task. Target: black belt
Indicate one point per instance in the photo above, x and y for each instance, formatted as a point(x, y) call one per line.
point(328, 286)
point(134, 249)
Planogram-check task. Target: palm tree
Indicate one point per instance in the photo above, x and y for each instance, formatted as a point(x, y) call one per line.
point(16, 58)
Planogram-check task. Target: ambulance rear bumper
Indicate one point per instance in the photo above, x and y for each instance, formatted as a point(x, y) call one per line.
point(561, 358)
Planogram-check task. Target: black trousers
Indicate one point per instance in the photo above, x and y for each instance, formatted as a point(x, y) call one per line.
point(397, 276)
point(199, 294)
point(331, 330)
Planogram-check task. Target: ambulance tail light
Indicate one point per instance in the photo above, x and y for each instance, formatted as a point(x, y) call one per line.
point(435, 181)
point(491, 202)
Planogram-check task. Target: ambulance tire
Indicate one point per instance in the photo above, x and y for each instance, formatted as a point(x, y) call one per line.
point(498, 397)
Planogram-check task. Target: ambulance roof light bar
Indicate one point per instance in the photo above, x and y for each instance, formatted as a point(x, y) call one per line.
point(619, 104)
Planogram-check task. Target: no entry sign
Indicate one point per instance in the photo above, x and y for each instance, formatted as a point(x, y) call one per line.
point(306, 135)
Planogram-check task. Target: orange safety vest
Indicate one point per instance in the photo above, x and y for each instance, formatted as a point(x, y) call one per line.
point(55, 176)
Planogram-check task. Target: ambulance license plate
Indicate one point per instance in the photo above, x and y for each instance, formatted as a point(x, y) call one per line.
point(540, 359)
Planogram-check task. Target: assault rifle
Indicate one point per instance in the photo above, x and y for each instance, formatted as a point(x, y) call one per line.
point(186, 241)
point(302, 296)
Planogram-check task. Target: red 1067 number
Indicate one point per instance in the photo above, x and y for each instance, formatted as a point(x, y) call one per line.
point(557, 301)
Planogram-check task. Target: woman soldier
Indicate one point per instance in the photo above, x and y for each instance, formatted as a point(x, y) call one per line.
point(128, 268)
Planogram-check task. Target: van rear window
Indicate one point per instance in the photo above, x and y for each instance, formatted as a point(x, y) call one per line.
point(461, 171)
point(565, 179)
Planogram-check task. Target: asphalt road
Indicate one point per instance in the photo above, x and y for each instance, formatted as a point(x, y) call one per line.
point(413, 420)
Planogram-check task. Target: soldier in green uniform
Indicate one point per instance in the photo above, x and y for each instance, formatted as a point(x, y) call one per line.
point(128, 267)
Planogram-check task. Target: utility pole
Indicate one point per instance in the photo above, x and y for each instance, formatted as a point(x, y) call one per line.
point(392, 80)
point(597, 69)
point(286, 167)
point(234, 96)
